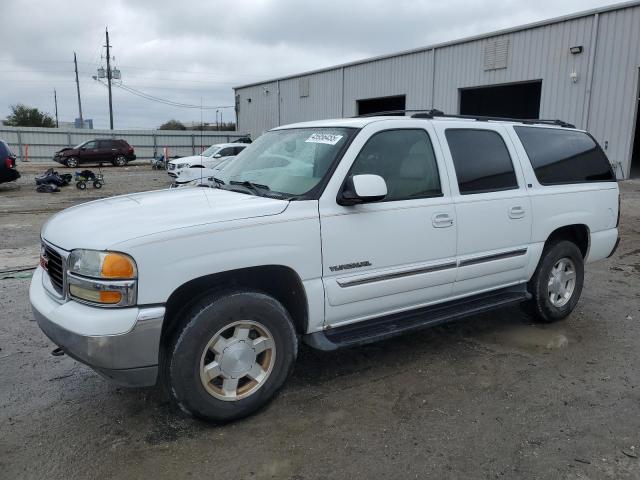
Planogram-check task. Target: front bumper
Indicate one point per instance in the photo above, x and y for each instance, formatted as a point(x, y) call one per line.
point(129, 358)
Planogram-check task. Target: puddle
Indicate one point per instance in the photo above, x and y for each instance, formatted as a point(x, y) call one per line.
point(528, 337)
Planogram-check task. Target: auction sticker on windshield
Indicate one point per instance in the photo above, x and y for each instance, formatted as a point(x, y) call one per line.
point(328, 138)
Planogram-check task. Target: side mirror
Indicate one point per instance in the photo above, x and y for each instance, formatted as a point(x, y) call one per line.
point(217, 155)
point(363, 189)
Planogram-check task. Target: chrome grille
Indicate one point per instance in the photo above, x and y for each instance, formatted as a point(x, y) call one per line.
point(55, 268)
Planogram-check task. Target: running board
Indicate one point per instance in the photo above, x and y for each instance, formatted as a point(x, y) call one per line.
point(381, 328)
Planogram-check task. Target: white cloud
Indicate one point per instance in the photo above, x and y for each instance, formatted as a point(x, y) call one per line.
point(188, 51)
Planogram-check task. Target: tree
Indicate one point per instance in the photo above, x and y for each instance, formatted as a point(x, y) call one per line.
point(172, 125)
point(24, 116)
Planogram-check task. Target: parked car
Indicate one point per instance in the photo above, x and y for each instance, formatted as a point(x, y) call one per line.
point(8, 171)
point(116, 152)
point(207, 159)
point(335, 232)
point(201, 177)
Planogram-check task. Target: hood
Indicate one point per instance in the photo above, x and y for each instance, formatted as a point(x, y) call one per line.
point(67, 150)
point(191, 159)
point(104, 223)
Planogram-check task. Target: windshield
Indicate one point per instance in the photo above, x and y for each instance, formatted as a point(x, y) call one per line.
point(81, 144)
point(288, 162)
point(211, 151)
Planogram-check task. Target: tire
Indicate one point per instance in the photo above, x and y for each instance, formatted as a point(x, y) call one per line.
point(119, 161)
point(81, 185)
point(71, 162)
point(549, 304)
point(97, 184)
point(213, 338)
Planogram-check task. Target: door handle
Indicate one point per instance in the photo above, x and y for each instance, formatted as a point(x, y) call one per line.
point(516, 212)
point(442, 220)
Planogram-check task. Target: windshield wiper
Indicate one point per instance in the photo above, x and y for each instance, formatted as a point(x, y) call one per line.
point(218, 181)
point(255, 187)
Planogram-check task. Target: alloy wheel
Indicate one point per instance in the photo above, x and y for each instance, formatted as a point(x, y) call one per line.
point(237, 360)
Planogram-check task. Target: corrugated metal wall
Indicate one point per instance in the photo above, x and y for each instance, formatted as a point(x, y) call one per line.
point(615, 84)
point(44, 142)
point(433, 78)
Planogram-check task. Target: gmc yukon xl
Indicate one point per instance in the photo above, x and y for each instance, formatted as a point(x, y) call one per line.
point(336, 233)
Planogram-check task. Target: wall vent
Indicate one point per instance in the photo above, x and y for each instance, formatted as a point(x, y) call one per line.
point(496, 54)
point(303, 87)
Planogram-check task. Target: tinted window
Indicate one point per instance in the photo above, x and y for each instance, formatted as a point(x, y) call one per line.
point(405, 159)
point(481, 160)
point(91, 145)
point(225, 152)
point(106, 144)
point(4, 149)
point(564, 156)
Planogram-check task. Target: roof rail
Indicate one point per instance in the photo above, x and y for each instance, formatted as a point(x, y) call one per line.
point(432, 113)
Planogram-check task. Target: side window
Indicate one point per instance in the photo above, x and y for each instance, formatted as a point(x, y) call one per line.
point(237, 150)
point(406, 161)
point(225, 152)
point(481, 160)
point(106, 144)
point(564, 156)
point(91, 145)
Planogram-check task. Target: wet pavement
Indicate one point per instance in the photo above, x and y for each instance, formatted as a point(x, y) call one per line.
point(493, 396)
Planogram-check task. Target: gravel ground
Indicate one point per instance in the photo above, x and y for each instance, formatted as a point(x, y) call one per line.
point(493, 396)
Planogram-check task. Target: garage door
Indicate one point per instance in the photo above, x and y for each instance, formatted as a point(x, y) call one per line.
point(515, 100)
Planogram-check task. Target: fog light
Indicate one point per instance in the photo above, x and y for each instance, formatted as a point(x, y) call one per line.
point(95, 296)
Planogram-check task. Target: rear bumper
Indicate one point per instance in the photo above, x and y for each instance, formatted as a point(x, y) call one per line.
point(129, 358)
point(9, 175)
point(615, 247)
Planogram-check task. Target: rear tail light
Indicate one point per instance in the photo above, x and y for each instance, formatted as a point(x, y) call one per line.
point(130, 149)
point(9, 162)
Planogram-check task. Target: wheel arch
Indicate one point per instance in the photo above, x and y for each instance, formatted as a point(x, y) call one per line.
point(279, 281)
point(577, 233)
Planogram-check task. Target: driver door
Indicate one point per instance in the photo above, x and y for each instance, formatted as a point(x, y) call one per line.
point(396, 254)
point(89, 152)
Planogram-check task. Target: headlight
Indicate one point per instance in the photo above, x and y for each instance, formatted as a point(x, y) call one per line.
point(102, 278)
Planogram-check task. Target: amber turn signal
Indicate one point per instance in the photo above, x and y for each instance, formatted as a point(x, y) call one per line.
point(116, 265)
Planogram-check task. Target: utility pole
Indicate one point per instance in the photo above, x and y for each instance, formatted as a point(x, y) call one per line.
point(55, 101)
point(109, 79)
point(75, 62)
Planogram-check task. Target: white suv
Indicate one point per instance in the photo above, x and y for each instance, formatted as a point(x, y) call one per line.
point(209, 158)
point(335, 232)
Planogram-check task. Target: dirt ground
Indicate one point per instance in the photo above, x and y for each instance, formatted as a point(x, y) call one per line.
point(493, 396)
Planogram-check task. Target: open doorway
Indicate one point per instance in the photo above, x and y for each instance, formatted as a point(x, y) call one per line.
point(381, 104)
point(635, 153)
point(515, 100)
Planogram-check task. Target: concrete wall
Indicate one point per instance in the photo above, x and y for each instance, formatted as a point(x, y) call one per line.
point(602, 100)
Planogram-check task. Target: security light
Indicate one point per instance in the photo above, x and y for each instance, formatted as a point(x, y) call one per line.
point(576, 50)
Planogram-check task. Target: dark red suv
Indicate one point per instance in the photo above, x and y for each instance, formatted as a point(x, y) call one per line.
point(117, 152)
point(8, 172)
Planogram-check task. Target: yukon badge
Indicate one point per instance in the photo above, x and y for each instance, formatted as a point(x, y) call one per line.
point(349, 266)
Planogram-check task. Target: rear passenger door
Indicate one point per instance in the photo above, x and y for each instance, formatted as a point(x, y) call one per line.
point(107, 150)
point(397, 253)
point(492, 206)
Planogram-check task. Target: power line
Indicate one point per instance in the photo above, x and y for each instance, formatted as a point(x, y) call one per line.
point(164, 101)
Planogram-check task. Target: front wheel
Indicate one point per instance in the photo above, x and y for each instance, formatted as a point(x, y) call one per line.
point(231, 355)
point(557, 283)
point(71, 162)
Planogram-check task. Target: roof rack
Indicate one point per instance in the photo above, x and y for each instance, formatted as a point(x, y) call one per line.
point(432, 113)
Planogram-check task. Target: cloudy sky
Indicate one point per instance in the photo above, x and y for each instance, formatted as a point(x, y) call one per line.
point(195, 51)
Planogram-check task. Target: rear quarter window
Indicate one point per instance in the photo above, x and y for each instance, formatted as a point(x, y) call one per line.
point(564, 156)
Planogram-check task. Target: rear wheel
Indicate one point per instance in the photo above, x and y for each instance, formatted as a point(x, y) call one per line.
point(71, 162)
point(557, 283)
point(231, 355)
point(120, 161)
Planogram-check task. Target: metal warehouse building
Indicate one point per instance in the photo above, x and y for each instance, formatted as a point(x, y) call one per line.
point(582, 68)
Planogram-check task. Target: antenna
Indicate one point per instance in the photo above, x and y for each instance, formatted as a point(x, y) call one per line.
point(201, 133)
